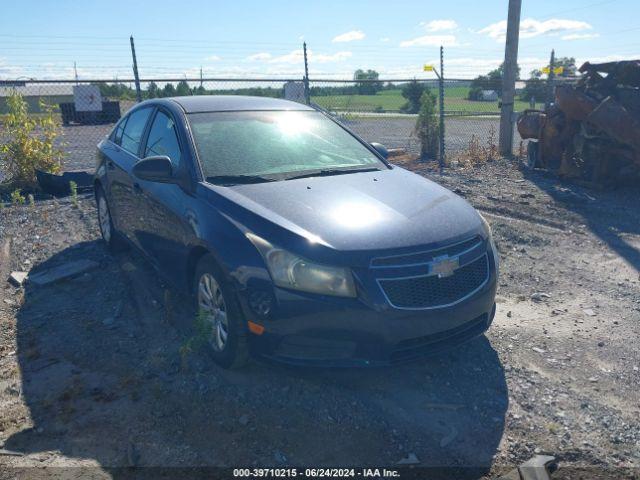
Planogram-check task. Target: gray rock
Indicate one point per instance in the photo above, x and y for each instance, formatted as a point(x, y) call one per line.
point(410, 459)
point(18, 278)
point(61, 272)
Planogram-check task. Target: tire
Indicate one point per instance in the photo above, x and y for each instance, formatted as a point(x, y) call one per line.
point(226, 329)
point(114, 240)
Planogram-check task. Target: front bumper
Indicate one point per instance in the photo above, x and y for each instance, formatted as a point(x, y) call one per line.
point(337, 332)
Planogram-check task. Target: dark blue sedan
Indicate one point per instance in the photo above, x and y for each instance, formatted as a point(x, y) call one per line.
point(297, 240)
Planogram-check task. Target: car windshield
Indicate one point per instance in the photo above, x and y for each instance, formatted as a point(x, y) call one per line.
point(268, 145)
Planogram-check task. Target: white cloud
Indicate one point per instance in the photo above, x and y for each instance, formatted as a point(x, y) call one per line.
point(580, 36)
point(349, 36)
point(336, 57)
point(439, 25)
point(530, 27)
point(432, 41)
point(294, 57)
point(297, 57)
point(213, 58)
point(259, 57)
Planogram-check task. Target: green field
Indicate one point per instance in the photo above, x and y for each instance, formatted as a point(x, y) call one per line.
point(455, 99)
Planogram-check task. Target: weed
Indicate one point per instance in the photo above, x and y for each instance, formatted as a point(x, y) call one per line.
point(202, 328)
point(17, 198)
point(31, 200)
point(73, 188)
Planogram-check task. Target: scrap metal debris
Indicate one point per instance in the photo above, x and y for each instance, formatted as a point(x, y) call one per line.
point(592, 131)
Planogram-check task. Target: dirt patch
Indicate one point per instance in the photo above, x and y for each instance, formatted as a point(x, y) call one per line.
point(91, 373)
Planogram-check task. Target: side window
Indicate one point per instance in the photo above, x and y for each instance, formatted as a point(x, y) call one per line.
point(116, 137)
point(163, 139)
point(133, 130)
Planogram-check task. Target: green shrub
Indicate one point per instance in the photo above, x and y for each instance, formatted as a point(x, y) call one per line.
point(427, 128)
point(17, 198)
point(28, 142)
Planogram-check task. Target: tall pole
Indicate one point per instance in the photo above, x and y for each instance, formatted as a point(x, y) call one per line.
point(550, 79)
point(75, 70)
point(441, 83)
point(135, 70)
point(510, 72)
point(307, 94)
point(200, 77)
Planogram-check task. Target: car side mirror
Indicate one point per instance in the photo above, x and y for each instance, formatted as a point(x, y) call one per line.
point(154, 169)
point(381, 149)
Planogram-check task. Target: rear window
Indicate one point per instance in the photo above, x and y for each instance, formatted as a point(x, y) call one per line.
point(133, 130)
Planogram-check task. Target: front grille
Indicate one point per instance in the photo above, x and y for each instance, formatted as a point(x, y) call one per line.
point(431, 291)
point(415, 258)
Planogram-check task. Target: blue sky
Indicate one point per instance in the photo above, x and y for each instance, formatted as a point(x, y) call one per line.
point(263, 38)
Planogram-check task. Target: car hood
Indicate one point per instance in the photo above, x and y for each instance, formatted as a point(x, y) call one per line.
point(360, 211)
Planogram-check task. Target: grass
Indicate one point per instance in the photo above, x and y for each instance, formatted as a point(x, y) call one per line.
point(455, 100)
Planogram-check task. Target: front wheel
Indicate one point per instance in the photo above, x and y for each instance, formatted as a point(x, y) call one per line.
point(217, 307)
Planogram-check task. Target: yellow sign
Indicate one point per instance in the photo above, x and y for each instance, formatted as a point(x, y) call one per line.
point(557, 70)
point(428, 68)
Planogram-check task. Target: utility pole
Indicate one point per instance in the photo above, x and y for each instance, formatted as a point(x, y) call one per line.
point(75, 71)
point(441, 102)
point(509, 74)
point(201, 77)
point(550, 79)
point(307, 95)
point(135, 70)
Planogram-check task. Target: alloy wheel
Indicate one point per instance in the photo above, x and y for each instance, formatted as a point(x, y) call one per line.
point(104, 219)
point(211, 302)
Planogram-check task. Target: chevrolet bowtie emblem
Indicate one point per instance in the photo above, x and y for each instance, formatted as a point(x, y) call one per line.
point(444, 266)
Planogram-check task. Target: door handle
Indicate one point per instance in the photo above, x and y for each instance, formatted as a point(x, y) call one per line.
point(137, 188)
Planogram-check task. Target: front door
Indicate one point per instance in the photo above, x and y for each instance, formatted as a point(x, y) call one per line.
point(163, 228)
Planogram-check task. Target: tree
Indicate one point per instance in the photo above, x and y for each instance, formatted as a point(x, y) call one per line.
point(537, 88)
point(568, 65)
point(183, 89)
point(169, 90)
point(370, 87)
point(29, 142)
point(490, 81)
point(412, 91)
point(427, 128)
point(152, 90)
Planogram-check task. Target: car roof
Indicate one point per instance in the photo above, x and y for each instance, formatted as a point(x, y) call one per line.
point(234, 103)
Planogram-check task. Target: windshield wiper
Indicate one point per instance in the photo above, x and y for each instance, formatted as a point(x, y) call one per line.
point(238, 179)
point(334, 171)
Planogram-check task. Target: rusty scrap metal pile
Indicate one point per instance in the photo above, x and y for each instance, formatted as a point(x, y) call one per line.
point(591, 133)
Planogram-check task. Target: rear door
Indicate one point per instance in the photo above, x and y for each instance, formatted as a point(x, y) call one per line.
point(124, 156)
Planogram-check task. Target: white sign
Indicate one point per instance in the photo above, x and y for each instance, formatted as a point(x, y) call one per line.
point(87, 98)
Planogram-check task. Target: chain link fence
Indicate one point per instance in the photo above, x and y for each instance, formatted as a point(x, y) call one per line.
point(384, 111)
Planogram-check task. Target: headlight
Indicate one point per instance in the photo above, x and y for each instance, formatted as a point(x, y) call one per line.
point(291, 271)
point(485, 225)
point(494, 250)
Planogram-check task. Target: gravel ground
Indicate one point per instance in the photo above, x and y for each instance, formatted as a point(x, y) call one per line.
point(91, 372)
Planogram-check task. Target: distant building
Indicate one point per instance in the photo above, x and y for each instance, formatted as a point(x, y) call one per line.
point(294, 91)
point(489, 96)
point(50, 93)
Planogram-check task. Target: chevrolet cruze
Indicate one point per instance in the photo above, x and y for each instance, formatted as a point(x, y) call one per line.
point(296, 240)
